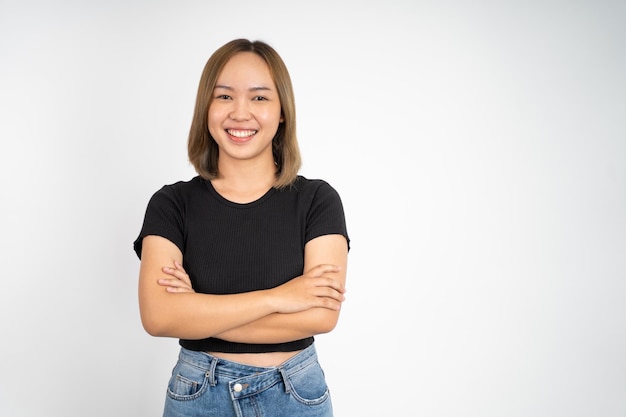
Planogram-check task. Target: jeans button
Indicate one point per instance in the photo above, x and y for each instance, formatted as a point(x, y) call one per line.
point(237, 387)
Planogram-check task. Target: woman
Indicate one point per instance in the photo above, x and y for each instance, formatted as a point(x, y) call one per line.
point(246, 262)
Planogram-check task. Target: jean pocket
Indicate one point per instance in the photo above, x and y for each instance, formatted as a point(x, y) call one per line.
point(187, 382)
point(308, 385)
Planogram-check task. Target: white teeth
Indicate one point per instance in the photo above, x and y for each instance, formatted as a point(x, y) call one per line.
point(241, 133)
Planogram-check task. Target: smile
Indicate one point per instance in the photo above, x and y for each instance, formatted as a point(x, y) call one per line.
point(241, 133)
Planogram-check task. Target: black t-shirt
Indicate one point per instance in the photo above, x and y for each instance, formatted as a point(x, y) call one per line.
point(232, 248)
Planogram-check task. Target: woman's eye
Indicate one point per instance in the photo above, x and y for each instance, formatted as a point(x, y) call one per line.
point(260, 98)
point(223, 97)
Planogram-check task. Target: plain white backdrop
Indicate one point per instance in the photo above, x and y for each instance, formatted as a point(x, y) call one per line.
point(479, 148)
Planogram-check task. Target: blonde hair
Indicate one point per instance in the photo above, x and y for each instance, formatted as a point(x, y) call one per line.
point(202, 149)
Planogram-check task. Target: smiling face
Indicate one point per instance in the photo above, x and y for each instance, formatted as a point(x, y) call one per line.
point(245, 110)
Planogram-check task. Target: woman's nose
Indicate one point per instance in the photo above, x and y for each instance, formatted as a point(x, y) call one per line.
point(240, 110)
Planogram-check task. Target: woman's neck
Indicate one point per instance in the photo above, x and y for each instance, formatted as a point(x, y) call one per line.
point(244, 183)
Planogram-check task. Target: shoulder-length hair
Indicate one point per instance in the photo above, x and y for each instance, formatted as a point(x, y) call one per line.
point(202, 149)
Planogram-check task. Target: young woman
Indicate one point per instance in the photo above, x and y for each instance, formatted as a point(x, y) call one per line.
point(246, 262)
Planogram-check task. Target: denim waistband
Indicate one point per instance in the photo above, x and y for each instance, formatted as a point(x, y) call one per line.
point(245, 380)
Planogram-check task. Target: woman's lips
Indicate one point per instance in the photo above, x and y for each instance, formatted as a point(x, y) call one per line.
point(241, 133)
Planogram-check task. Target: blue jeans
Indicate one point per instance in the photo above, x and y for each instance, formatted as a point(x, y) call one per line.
point(204, 385)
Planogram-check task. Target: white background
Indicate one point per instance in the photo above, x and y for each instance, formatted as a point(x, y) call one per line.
point(479, 148)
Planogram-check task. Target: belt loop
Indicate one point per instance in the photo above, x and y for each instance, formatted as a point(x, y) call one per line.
point(285, 380)
point(211, 372)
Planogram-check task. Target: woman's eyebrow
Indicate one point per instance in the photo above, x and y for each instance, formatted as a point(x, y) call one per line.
point(229, 88)
point(260, 88)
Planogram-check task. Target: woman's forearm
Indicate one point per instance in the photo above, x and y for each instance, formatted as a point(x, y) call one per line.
point(280, 328)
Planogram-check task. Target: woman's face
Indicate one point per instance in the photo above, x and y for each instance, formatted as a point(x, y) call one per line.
point(245, 109)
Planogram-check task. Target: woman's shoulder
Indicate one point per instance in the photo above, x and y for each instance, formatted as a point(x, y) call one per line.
point(177, 193)
point(305, 183)
point(182, 187)
point(314, 189)
point(314, 185)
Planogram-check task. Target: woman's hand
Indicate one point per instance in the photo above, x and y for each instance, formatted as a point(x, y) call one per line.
point(318, 287)
point(179, 282)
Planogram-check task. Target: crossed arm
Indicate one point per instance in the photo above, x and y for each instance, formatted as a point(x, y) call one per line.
point(304, 306)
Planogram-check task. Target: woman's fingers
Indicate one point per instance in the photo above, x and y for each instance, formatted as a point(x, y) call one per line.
point(332, 293)
point(318, 274)
point(180, 281)
point(318, 287)
point(330, 283)
point(175, 285)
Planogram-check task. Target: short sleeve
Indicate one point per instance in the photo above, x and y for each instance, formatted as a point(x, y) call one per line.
point(164, 217)
point(326, 215)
